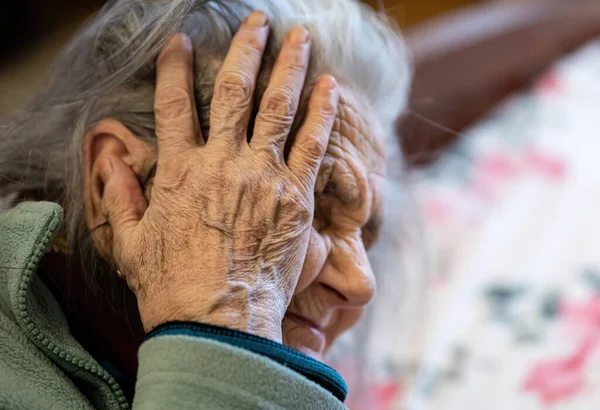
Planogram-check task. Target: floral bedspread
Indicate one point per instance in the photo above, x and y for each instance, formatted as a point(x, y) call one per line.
point(512, 216)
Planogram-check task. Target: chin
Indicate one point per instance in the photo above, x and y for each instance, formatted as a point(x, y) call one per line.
point(306, 339)
point(313, 340)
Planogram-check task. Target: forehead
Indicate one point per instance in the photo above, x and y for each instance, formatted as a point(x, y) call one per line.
point(357, 133)
point(353, 168)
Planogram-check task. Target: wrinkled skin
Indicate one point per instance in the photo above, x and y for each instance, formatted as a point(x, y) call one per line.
point(225, 236)
point(337, 281)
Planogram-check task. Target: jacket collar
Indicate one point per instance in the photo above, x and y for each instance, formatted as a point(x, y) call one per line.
point(25, 235)
point(25, 232)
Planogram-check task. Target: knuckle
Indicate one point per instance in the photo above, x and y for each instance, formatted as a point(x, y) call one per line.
point(252, 44)
point(268, 152)
point(173, 101)
point(324, 106)
point(327, 110)
point(297, 208)
point(280, 101)
point(176, 174)
point(268, 124)
point(296, 62)
point(314, 148)
point(113, 208)
point(120, 216)
point(175, 130)
point(234, 87)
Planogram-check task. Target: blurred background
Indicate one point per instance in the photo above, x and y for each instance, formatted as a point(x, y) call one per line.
point(33, 31)
point(503, 152)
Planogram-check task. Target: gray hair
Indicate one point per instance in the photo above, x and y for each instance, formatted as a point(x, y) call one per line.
point(107, 71)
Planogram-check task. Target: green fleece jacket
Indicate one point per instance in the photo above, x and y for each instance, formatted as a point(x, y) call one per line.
point(42, 366)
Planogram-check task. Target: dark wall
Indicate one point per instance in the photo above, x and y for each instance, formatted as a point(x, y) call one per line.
point(24, 22)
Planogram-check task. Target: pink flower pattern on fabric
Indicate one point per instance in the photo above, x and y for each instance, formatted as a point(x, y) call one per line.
point(513, 275)
point(556, 380)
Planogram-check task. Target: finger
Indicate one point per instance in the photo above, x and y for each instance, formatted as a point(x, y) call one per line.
point(280, 102)
point(174, 104)
point(310, 145)
point(231, 105)
point(123, 201)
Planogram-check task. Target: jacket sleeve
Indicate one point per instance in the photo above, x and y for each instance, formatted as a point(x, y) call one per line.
point(194, 366)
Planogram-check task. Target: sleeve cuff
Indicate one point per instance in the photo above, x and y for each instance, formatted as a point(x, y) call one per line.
point(308, 367)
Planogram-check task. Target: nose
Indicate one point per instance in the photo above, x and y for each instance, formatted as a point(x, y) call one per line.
point(347, 275)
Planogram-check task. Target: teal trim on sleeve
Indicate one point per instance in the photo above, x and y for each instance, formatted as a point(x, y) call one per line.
point(310, 368)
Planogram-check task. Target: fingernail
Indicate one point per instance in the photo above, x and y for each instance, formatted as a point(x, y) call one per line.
point(298, 35)
point(186, 42)
point(257, 19)
point(327, 82)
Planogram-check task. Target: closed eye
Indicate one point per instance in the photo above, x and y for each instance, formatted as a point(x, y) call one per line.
point(330, 189)
point(371, 230)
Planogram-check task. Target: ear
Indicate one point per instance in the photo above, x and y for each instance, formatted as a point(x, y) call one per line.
point(109, 142)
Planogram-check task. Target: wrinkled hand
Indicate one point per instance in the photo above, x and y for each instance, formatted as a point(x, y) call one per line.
point(224, 236)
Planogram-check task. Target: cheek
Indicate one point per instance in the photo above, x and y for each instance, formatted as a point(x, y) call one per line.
point(316, 256)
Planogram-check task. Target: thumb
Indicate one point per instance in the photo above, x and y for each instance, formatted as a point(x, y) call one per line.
point(123, 201)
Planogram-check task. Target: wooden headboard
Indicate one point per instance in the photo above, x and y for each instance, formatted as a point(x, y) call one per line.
point(466, 62)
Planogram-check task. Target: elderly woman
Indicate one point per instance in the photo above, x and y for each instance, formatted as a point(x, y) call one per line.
point(218, 206)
